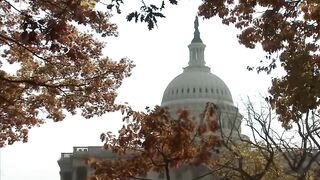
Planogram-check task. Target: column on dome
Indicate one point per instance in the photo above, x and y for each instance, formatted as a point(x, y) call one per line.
point(196, 48)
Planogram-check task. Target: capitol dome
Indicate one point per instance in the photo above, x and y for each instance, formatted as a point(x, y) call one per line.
point(197, 83)
point(196, 86)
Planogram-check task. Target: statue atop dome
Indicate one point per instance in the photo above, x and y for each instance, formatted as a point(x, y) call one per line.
point(196, 37)
point(196, 24)
point(196, 49)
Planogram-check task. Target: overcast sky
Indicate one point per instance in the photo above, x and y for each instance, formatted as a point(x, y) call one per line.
point(159, 56)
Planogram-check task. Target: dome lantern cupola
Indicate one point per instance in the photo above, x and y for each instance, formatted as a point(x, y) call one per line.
point(196, 48)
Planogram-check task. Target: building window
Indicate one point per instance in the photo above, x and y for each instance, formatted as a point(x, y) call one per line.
point(182, 90)
point(188, 90)
point(206, 90)
point(212, 90)
point(177, 91)
point(194, 90)
point(200, 90)
point(217, 90)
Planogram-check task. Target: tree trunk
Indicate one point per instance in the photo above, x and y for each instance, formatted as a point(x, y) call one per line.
point(167, 171)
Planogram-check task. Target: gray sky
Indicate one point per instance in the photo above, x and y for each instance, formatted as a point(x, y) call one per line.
point(159, 56)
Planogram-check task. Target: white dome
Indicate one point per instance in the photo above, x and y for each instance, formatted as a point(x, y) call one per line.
point(196, 84)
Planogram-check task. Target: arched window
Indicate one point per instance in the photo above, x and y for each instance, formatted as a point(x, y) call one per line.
point(182, 90)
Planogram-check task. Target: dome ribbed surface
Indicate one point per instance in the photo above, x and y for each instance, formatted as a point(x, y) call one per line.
point(196, 84)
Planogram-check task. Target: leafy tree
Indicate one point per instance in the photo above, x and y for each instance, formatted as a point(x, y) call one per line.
point(157, 142)
point(60, 68)
point(288, 32)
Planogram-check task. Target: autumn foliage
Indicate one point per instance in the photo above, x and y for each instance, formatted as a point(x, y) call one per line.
point(157, 142)
point(289, 33)
point(51, 63)
point(59, 68)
